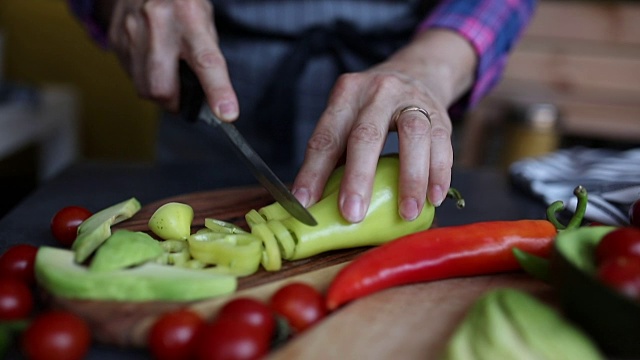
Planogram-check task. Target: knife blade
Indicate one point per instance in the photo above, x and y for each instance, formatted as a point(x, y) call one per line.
point(191, 92)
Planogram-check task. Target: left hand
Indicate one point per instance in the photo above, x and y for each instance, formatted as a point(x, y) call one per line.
point(364, 108)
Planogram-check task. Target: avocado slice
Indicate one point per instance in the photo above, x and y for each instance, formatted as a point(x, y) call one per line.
point(125, 248)
point(97, 228)
point(58, 273)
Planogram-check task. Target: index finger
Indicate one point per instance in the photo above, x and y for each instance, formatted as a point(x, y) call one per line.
point(202, 53)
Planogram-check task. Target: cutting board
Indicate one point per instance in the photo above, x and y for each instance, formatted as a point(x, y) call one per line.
point(126, 323)
point(406, 322)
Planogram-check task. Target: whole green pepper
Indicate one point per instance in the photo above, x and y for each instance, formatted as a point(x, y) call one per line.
point(382, 223)
point(612, 319)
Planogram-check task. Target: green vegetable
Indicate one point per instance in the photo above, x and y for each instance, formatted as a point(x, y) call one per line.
point(57, 272)
point(235, 254)
point(612, 319)
point(125, 248)
point(97, 228)
point(510, 324)
point(172, 221)
point(285, 237)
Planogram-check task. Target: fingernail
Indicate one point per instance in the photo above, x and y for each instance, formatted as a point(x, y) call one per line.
point(353, 208)
point(436, 196)
point(302, 195)
point(409, 209)
point(228, 110)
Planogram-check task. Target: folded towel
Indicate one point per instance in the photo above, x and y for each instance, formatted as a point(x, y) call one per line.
point(611, 177)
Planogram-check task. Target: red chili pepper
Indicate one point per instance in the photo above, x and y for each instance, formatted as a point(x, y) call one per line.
point(440, 253)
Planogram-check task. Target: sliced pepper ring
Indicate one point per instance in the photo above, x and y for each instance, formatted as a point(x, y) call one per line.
point(241, 253)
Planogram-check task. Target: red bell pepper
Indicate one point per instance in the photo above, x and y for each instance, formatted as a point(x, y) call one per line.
point(447, 252)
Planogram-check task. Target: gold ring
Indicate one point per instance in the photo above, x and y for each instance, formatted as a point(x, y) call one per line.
point(412, 108)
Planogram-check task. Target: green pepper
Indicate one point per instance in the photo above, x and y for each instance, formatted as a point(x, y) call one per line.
point(609, 317)
point(235, 254)
point(382, 223)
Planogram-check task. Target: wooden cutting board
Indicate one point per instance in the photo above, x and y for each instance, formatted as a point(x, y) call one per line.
point(126, 323)
point(407, 322)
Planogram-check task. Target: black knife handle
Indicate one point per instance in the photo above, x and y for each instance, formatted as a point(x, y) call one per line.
point(191, 93)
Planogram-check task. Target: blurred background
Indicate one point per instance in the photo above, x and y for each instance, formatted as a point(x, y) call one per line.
point(574, 79)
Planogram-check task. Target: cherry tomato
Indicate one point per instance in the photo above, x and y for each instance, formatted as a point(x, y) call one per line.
point(623, 274)
point(58, 335)
point(173, 335)
point(64, 224)
point(227, 339)
point(17, 262)
point(634, 213)
point(623, 241)
point(16, 300)
point(252, 312)
point(300, 304)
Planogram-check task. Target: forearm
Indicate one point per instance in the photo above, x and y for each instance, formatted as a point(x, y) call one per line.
point(491, 27)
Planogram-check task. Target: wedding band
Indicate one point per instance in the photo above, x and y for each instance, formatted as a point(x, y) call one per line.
point(412, 108)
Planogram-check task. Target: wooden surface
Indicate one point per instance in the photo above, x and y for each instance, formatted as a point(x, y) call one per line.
point(126, 324)
point(408, 322)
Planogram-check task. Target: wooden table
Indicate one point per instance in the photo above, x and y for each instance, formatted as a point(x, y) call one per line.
point(406, 322)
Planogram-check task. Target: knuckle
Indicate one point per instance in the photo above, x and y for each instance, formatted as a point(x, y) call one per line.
point(366, 133)
point(208, 59)
point(323, 141)
point(414, 126)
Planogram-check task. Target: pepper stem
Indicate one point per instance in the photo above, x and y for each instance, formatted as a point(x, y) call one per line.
point(581, 193)
point(455, 195)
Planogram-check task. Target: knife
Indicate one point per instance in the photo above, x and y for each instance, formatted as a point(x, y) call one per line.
point(192, 95)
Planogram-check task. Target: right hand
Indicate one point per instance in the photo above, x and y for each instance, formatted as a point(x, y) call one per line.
point(150, 37)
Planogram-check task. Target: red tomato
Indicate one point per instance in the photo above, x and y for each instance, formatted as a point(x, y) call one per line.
point(300, 304)
point(623, 241)
point(17, 262)
point(56, 335)
point(623, 274)
point(64, 224)
point(227, 339)
point(252, 312)
point(634, 213)
point(173, 335)
point(16, 300)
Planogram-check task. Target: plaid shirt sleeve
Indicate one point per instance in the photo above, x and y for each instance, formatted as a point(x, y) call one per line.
point(491, 26)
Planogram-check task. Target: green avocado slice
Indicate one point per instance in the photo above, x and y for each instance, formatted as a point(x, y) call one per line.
point(125, 248)
point(97, 228)
point(58, 273)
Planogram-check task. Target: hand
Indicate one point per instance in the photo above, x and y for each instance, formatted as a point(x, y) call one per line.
point(430, 73)
point(150, 37)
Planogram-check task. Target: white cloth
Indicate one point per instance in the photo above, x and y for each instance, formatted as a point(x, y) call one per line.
point(611, 177)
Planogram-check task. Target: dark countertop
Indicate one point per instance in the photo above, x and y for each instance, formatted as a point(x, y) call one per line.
point(488, 195)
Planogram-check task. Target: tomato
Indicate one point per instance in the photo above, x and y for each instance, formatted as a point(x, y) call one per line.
point(623, 241)
point(300, 304)
point(227, 339)
point(173, 335)
point(56, 335)
point(64, 224)
point(16, 300)
point(252, 312)
point(17, 262)
point(623, 274)
point(634, 213)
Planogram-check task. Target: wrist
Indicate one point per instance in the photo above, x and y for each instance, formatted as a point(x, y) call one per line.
point(441, 58)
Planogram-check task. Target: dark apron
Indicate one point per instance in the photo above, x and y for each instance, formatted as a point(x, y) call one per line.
point(283, 58)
